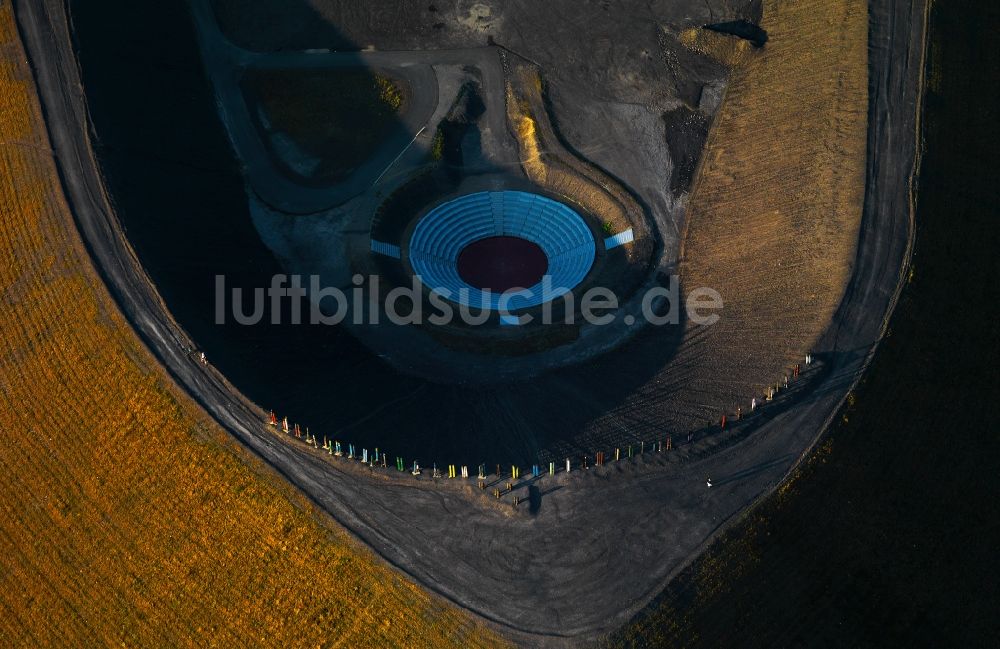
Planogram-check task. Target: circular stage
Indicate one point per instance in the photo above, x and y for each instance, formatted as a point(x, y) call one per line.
point(473, 248)
point(502, 263)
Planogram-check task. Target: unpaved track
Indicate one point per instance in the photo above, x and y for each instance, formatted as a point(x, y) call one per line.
point(603, 545)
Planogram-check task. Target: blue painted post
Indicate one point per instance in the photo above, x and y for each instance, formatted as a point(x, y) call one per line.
point(364, 455)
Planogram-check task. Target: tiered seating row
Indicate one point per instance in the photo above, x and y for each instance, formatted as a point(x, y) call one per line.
point(447, 229)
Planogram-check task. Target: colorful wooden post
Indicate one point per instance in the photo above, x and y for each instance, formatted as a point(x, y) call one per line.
point(482, 471)
point(399, 463)
point(284, 425)
point(670, 442)
point(567, 465)
point(364, 455)
point(465, 471)
point(600, 458)
point(552, 468)
point(535, 471)
point(416, 468)
point(618, 454)
point(273, 420)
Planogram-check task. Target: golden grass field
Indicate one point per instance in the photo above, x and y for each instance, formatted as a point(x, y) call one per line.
point(722, 47)
point(127, 517)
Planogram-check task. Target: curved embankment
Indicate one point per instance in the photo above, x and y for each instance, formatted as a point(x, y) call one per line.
point(129, 517)
point(774, 215)
point(602, 543)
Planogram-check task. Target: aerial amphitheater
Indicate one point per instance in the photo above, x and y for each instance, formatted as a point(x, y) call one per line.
point(578, 323)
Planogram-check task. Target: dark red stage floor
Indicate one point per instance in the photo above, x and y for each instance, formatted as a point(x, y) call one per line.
point(499, 264)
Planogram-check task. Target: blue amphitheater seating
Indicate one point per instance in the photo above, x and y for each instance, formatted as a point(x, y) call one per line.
point(447, 229)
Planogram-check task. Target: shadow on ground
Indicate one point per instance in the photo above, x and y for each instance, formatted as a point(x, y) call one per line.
point(180, 196)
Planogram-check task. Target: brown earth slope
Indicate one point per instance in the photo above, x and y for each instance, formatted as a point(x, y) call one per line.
point(128, 517)
point(773, 218)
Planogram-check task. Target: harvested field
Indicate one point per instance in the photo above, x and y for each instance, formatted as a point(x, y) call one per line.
point(129, 518)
